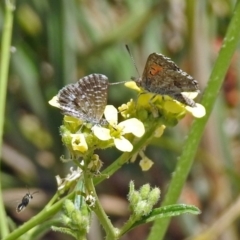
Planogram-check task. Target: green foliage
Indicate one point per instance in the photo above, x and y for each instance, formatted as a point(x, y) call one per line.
point(53, 43)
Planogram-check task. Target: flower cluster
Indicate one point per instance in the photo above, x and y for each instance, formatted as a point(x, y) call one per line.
point(142, 201)
point(76, 220)
point(83, 138)
point(163, 110)
point(80, 137)
point(167, 107)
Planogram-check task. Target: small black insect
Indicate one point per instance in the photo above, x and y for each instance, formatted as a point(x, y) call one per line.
point(25, 201)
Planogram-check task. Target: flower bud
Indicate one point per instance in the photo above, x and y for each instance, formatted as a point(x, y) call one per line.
point(144, 191)
point(154, 196)
point(68, 207)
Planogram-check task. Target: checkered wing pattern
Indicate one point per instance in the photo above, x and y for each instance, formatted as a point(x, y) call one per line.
point(86, 99)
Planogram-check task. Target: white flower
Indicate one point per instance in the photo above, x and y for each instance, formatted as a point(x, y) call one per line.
point(118, 131)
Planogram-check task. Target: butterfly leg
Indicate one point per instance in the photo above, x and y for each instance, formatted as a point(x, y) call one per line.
point(154, 109)
point(183, 99)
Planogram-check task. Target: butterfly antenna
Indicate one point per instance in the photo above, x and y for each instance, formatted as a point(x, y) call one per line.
point(35, 192)
point(116, 83)
point(131, 56)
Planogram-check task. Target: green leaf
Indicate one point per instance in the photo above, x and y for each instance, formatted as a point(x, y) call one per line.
point(65, 230)
point(165, 212)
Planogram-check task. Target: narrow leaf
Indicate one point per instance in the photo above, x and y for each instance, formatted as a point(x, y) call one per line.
point(168, 211)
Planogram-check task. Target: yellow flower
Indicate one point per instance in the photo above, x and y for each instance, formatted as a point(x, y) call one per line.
point(95, 164)
point(116, 131)
point(79, 143)
point(72, 120)
point(159, 131)
point(128, 109)
point(132, 85)
point(167, 103)
point(146, 164)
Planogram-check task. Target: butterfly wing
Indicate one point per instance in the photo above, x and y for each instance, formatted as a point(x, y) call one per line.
point(86, 99)
point(163, 76)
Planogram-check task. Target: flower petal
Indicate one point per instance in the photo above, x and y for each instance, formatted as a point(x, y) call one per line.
point(132, 85)
point(79, 143)
point(145, 98)
point(190, 95)
point(54, 102)
point(72, 120)
point(146, 164)
point(199, 111)
point(59, 180)
point(111, 114)
point(173, 106)
point(101, 133)
point(132, 125)
point(159, 131)
point(123, 144)
point(74, 174)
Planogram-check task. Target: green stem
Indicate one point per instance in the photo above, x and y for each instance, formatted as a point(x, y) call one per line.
point(42, 229)
point(127, 225)
point(4, 67)
point(191, 145)
point(99, 211)
point(54, 198)
point(40, 218)
point(103, 218)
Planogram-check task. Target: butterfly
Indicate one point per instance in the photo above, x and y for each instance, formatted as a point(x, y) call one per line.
point(86, 99)
point(162, 76)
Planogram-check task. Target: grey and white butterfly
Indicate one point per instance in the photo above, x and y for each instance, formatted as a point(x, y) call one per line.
point(86, 99)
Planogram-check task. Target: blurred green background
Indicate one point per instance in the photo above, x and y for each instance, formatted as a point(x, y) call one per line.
point(57, 42)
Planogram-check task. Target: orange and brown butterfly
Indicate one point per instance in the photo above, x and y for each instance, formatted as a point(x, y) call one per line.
point(162, 76)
